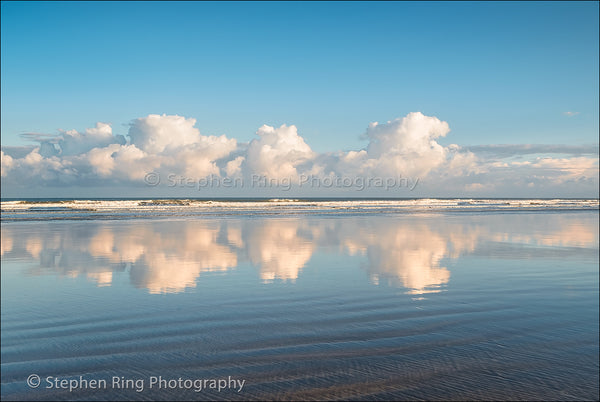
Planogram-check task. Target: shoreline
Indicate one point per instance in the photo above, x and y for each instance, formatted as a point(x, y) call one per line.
point(24, 210)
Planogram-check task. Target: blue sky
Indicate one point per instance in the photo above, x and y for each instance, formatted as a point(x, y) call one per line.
point(497, 73)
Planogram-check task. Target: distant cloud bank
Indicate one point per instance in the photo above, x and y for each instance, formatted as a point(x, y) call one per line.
point(406, 147)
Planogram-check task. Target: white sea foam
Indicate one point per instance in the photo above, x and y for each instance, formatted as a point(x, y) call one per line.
point(106, 209)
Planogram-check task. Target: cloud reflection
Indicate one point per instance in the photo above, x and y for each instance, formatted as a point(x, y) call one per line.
point(170, 256)
point(281, 248)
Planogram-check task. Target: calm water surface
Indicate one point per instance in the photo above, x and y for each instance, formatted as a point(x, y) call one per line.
point(404, 306)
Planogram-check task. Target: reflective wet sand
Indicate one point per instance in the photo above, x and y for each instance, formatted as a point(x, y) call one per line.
point(423, 306)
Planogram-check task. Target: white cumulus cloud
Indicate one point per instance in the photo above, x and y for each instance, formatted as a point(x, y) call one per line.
point(406, 147)
point(75, 143)
point(278, 152)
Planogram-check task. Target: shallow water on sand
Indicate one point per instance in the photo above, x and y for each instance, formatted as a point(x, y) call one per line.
point(466, 305)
